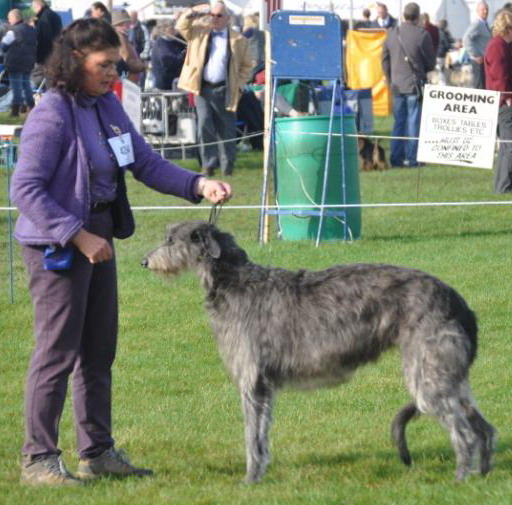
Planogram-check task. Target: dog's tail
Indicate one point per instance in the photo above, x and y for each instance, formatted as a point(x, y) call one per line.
point(398, 431)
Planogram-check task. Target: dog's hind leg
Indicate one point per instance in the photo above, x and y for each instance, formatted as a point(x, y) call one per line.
point(452, 405)
point(453, 415)
point(486, 435)
point(398, 431)
point(470, 433)
point(436, 357)
point(257, 407)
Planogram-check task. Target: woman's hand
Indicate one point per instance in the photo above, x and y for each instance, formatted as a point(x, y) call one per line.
point(96, 249)
point(214, 191)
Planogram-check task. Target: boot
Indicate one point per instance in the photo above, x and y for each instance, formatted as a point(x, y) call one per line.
point(15, 111)
point(46, 470)
point(112, 463)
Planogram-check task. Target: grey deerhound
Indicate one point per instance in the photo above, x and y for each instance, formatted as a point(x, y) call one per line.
point(275, 327)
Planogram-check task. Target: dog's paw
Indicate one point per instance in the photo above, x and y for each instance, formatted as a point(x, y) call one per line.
point(251, 479)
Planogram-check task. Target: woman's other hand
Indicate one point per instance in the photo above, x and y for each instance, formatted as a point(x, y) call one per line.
point(96, 249)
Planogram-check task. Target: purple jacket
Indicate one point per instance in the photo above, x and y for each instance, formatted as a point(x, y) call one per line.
point(50, 185)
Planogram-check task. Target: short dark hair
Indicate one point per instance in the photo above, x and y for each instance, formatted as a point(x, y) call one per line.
point(64, 67)
point(100, 6)
point(412, 12)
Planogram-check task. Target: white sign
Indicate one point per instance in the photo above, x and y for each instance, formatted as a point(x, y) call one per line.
point(458, 126)
point(307, 20)
point(131, 101)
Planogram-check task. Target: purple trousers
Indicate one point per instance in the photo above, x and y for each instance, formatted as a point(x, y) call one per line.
point(75, 330)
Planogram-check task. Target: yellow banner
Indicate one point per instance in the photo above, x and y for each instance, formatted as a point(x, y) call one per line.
point(364, 68)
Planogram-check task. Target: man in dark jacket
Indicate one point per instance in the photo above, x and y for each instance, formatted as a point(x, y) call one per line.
point(384, 19)
point(139, 36)
point(407, 56)
point(167, 55)
point(445, 44)
point(48, 27)
point(19, 47)
point(99, 11)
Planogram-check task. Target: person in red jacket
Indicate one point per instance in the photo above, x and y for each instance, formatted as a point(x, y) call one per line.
point(432, 30)
point(498, 77)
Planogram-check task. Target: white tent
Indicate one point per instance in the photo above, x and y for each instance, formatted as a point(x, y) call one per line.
point(148, 8)
point(456, 12)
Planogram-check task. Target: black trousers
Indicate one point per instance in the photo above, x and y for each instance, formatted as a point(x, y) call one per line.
point(251, 113)
point(503, 180)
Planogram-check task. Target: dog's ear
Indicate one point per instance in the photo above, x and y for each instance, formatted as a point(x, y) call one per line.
point(204, 236)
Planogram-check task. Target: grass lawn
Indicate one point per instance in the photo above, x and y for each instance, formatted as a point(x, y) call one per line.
point(176, 411)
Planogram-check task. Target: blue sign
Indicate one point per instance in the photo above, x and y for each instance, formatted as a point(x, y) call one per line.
point(306, 45)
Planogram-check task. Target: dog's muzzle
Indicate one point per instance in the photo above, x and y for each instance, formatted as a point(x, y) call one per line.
point(145, 263)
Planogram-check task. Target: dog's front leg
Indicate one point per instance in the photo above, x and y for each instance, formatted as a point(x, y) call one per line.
point(257, 409)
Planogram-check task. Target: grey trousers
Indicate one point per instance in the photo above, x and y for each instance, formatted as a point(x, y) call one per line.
point(75, 330)
point(503, 180)
point(215, 123)
point(478, 75)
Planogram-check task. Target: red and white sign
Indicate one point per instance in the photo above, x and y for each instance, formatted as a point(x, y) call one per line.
point(130, 96)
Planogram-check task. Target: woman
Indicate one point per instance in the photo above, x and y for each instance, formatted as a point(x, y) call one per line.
point(130, 63)
point(498, 77)
point(69, 188)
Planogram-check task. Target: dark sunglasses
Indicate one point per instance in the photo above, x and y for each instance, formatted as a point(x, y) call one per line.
point(217, 15)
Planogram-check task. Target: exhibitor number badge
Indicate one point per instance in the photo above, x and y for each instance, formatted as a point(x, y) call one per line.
point(123, 149)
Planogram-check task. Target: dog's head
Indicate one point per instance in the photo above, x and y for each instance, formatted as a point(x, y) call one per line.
point(184, 246)
point(188, 245)
point(365, 153)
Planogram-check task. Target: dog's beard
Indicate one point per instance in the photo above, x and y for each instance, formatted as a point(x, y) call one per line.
point(166, 274)
point(160, 262)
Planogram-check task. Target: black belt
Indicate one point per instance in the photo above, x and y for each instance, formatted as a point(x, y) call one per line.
point(207, 84)
point(100, 206)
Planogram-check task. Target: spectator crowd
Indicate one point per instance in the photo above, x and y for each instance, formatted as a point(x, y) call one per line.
point(219, 58)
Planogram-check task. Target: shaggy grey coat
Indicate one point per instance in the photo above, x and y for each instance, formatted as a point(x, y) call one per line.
point(275, 327)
